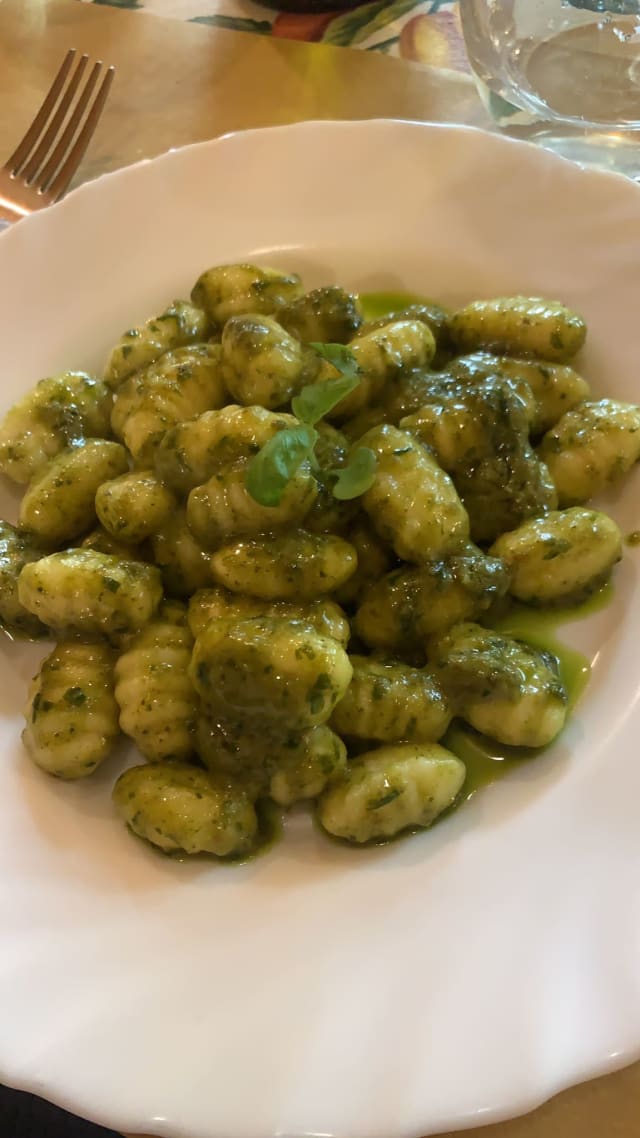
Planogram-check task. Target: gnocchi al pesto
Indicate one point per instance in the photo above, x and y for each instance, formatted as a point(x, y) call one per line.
point(272, 542)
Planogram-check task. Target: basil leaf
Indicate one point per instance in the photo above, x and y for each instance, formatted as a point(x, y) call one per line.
point(318, 399)
point(357, 476)
point(339, 356)
point(270, 471)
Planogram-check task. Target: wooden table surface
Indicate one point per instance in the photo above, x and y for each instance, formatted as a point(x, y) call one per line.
point(179, 83)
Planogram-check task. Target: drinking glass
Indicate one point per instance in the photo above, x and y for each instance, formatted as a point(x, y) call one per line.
point(565, 73)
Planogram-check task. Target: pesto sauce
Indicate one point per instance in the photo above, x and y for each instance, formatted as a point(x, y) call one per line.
point(373, 305)
point(487, 761)
point(24, 635)
point(270, 831)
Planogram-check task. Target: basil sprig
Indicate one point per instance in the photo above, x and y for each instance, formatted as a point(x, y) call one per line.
point(357, 476)
point(277, 462)
point(272, 468)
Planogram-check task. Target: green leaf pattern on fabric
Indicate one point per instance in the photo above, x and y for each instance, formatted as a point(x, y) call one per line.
point(355, 26)
point(120, 3)
point(235, 24)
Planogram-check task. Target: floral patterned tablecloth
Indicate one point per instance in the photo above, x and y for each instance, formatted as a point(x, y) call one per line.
point(425, 31)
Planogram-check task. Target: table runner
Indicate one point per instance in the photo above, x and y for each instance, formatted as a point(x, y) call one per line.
point(423, 31)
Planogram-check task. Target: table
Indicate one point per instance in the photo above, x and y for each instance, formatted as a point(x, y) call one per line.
point(210, 74)
point(211, 79)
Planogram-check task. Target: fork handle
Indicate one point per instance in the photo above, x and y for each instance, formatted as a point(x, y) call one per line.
point(8, 215)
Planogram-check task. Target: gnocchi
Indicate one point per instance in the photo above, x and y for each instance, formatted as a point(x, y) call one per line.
point(190, 453)
point(222, 508)
point(178, 386)
point(591, 447)
point(401, 610)
point(60, 502)
point(184, 564)
point(72, 715)
point(382, 354)
point(232, 290)
point(298, 676)
point(262, 363)
point(326, 315)
point(550, 389)
point(530, 326)
point(157, 701)
point(290, 566)
point(389, 790)
point(479, 432)
point(180, 324)
point(391, 702)
point(304, 766)
point(273, 607)
point(503, 688)
point(57, 413)
point(16, 550)
point(133, 506)
point(413, 503)
point(434, 316)
point(217, 603)
point(177, 807)
point(560, 558)
point(89, 593)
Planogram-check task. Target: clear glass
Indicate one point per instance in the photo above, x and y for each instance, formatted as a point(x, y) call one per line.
point(565, 73)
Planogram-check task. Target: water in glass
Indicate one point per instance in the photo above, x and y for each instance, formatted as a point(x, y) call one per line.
point(563, 72)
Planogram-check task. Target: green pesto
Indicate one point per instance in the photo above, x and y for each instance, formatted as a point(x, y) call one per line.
point(270, 831)
point(376, 304)
point(539, 630)
point(16, 550)
point(538, 627)
point(327, 314)
point(75, 696)
point(487, 761)
point(384, 800)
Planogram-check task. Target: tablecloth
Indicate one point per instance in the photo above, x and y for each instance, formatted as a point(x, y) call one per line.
point(424, 31)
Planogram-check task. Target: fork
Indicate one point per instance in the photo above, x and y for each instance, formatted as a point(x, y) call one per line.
point(44, 162)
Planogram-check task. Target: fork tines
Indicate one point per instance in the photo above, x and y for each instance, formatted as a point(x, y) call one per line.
point(51, 150)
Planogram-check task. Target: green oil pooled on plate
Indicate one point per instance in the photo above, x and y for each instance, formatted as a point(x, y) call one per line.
point(487, 761)
point(373, 305)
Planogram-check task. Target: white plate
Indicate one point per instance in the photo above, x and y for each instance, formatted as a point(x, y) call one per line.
point(446, 981)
